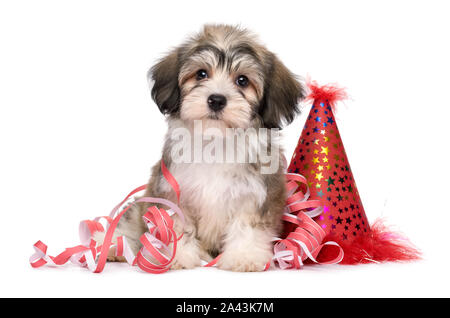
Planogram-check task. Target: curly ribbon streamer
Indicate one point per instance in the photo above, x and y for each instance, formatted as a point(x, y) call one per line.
point(159, 243)
point(155, 256)
point(306, 240)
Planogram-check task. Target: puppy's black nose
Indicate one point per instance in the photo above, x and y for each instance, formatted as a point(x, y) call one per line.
point(217, 102)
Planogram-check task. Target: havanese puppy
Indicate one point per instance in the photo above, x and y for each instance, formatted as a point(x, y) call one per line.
point(224, 94)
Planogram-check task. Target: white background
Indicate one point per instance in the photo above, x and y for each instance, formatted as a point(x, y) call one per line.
point(78, 130)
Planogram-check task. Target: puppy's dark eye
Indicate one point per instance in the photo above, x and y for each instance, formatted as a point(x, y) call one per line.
point(201, 74)
point(242, 81)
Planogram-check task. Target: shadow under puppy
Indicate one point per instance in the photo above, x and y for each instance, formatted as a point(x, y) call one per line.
point(220, 79)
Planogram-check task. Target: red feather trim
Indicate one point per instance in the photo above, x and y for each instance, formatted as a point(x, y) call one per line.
point(379, 245)
point(331, 93)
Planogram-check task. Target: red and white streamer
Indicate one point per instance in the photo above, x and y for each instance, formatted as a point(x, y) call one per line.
point(306, 240)
point(159, 243)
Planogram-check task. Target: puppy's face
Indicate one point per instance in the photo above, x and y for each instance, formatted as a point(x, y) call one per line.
point(225, 78)
point(223, 84)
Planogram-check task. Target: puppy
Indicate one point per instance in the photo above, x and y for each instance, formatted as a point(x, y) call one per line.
point(220, 80)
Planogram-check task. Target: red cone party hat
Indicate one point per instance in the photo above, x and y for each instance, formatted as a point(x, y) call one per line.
point(320, 157)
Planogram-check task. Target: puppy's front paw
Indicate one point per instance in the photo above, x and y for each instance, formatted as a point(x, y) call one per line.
point(185, 260)
point(187, 255)
point(244, 261)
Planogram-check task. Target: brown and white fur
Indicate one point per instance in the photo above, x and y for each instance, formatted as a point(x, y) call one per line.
point(230, 208)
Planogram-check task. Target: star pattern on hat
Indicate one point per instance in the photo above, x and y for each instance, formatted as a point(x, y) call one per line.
point(324, 163)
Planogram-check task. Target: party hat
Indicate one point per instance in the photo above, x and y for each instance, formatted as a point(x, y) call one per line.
point(320, 157)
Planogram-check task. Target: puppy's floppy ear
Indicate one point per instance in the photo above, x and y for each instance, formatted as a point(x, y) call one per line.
point(165, 90)
point(282, 92)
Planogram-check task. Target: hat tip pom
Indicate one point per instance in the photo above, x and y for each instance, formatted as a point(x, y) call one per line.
point(332, 93)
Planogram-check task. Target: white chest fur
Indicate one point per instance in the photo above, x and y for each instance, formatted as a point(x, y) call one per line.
point(217, 187)
point(214, 194)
